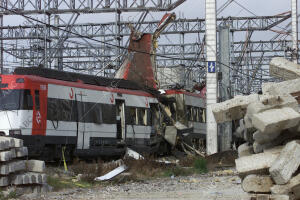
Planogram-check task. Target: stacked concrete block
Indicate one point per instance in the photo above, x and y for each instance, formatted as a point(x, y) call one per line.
point(284, 69)
point(232, 109)
point(15, 170)
point(269, 160)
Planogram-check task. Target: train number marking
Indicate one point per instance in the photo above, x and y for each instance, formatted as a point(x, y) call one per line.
point(38, 117)
point(112, 98)
point(71, 94)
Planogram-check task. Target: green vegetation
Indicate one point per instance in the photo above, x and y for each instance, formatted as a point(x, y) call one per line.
point(11, 195)
point(64, 183)
point(200, 165)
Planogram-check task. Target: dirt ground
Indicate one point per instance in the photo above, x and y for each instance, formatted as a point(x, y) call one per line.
point(212, 186)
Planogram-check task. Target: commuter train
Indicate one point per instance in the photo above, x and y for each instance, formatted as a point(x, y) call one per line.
point(88, 116)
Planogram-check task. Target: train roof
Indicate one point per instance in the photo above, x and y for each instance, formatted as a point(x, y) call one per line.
point(84, 78)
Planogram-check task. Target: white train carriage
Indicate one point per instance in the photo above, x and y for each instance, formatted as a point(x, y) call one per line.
point(82, 119)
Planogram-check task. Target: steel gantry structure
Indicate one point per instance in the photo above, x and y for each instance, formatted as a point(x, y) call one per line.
point(33, 44)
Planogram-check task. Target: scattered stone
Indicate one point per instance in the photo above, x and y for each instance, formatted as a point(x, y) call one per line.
point(287, 163)
point(257, 183)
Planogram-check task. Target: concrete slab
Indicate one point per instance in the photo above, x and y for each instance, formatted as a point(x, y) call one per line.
point(35, 166)
point(285, 87)
point(245, 150)
point(15, 166)
point(232, 109)
point(4, 169)
point(5, 156)
point(287, 188)
point(16, 179)
point(267, 102)
point(262, 138)
point(21, 152)
point(4, 144)
point(284, 69)
point(269, 197)
point(18, 142)
point(256, 163)
point(274, 120)
point(258, 148)
point(4, 181)
point(257, 183)
point(11, 142)
point(287, 163)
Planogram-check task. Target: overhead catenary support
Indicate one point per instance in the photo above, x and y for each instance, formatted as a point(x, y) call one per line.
point(225, 129)
point(211, 78)
point(295, 30)
point(59, 60)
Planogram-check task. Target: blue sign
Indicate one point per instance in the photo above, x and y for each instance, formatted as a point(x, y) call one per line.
point(211, 66)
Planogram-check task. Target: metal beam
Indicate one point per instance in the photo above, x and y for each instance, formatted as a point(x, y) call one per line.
point(29, 7)
point(180, 26)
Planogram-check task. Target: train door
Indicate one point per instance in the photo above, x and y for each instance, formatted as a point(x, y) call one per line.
point(80, 120)
point(120, 118)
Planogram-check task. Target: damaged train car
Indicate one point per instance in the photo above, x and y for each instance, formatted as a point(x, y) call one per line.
point(88, 116)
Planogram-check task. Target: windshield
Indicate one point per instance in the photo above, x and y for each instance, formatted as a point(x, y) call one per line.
point(14, 100)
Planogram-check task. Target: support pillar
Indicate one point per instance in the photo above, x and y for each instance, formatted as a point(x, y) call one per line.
point(225, 129)
point(294, 30)
point(211, 78)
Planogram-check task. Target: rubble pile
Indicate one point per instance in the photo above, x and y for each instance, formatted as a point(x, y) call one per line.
point(269, 160)
point(18, 174)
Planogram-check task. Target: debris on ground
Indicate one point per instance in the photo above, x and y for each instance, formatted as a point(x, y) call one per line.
point(18, 175)
point(133, 154)
point(269, 160)
point(112, 174)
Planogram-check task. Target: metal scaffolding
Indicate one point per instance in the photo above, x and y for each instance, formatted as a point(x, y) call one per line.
point(34, 44)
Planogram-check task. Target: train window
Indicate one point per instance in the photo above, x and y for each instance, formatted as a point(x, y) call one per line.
point(189, 113)
point(142, 117)
point(37, 99)
point(195, 114)
point(203, 115)
point(27, 101)
point(200, 114)
point(108, 113)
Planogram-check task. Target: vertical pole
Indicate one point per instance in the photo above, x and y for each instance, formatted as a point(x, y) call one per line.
point(58, 59)
point(225, 86)
point(294, 31)
point(1, 45)
point(117, 35)
point(211, 78)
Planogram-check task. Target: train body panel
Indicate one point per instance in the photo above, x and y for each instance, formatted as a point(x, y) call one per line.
point(89, 120)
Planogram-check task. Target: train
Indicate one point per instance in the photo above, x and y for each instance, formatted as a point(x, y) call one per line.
point(77, 115)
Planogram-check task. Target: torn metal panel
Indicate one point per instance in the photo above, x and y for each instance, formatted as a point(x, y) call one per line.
point(112, 174)
point(133, 154)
